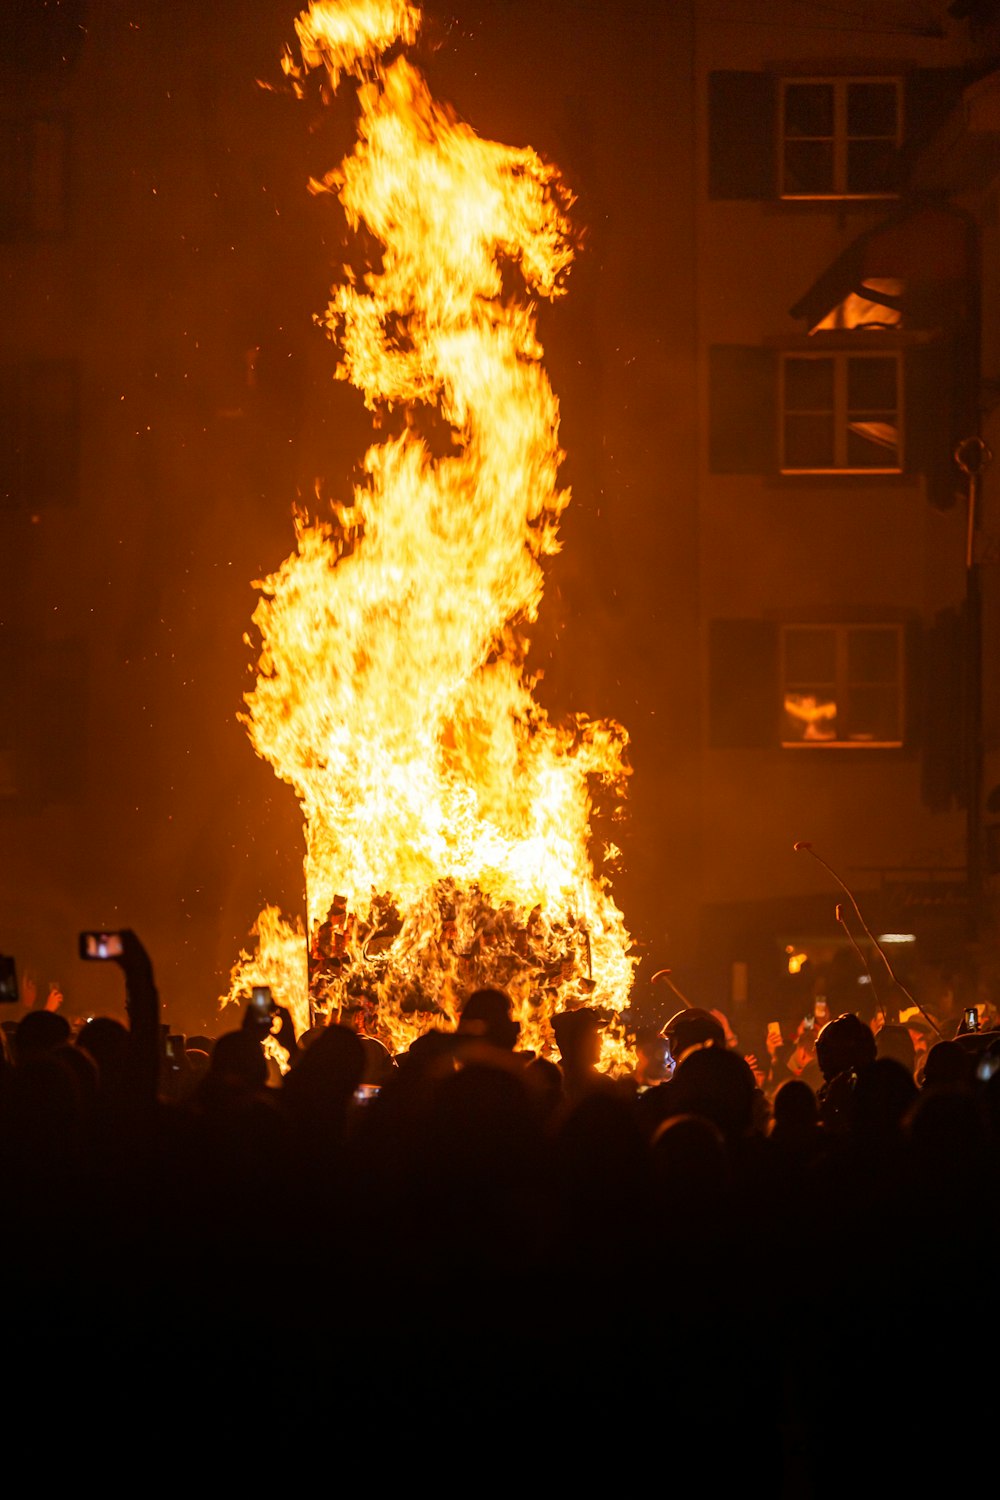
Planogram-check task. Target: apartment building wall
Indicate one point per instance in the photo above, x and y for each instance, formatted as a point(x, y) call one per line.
point(777, 549)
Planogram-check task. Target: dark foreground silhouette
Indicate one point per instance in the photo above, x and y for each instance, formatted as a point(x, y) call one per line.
point(469, 1250)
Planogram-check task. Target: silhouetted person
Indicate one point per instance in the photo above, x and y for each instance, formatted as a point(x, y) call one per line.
point(844, 1048)
point(795, 1128)
point(947, 1062)
point(894, 1040)
point(106, 1040)
point(578, 1034)
point(487, 1017)
point(38, 1032)
point(693, 1027)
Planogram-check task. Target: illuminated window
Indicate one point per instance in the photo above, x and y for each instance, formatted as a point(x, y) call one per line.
point(840, 137)
point(842, 686)
point(841, 413)
point(33, 178)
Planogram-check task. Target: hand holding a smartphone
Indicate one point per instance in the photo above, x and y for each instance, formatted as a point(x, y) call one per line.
point(261, 1011)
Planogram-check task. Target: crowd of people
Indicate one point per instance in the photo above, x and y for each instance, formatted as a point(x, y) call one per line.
point(775, 1253)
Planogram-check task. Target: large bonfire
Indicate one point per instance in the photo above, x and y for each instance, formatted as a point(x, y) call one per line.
point(447, 819)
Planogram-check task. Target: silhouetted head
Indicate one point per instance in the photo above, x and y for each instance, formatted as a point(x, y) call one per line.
point(545, 1081)
point(947, 1062)
point(896, 1041)
point(693, 1027)
point(238, 1060)
point(948, 1131)
point(885, 1090)
point(845, 1044)
point(379, 1061)
point(795, 1107)
point(431, 1052)
point(653, 1058)
point(106, 1041)
point(38, 1032)
point(689, 1173)
point(334, 1064)
point(718, 1084)
point(578, 1036)
point(486, 1017)
point(688, 1153)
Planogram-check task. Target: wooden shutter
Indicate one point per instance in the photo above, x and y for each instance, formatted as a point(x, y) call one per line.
point(744, 691)
point(741, 135)
point(742, 436)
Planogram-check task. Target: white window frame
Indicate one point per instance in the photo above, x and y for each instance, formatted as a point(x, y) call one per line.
point(840, 138)
point(840, 687)
point(840, 359)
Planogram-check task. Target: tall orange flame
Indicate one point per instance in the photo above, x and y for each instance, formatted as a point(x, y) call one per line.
point(447, 820)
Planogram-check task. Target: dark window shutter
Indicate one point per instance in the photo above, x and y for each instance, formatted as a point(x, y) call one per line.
point(744, 692)
point(742, 129)
point(942, 705)
point(37, 36)
point(913, 684)
point(742, 409)
point(929, 96)
point(932, 422)
point(39, 434)
point(50, 743)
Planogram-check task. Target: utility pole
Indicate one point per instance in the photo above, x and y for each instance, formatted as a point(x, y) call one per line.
point(973, 456)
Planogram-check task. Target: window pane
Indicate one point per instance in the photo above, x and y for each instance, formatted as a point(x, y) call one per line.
point(873, 443)
point(873, 713)
point(873, 656)
point(810, 655)
point(872, 109)
point(871, 385)
point(809, 717)
point(808, 167)
point(872, 167)
point(809, 443)
point(808, 384)
point(809, 109)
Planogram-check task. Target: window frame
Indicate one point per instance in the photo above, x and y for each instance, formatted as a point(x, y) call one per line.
point(840, 359)
point(840, 139)
point(842, 683)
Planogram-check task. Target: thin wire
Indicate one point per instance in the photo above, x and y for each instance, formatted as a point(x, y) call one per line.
point(871, 977)
point(665, 974)
point(871, 936)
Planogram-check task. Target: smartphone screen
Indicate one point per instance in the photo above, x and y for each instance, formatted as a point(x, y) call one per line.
point(99, 945)
point(262, 1000)
point(9, 994)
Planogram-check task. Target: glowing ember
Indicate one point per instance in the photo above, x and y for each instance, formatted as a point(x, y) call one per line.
point(447, 820)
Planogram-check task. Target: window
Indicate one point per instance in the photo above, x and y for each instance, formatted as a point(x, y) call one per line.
point(841, 413)
point(842, 686)
point(33, 178)
point(840, 137)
